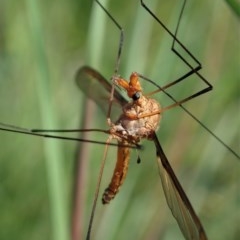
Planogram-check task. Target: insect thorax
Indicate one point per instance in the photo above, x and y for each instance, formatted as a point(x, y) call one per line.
point(132, 126)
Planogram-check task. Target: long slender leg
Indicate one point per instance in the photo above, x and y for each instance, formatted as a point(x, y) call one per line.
point(120, 46)
point(97, 189)
point(193, 70)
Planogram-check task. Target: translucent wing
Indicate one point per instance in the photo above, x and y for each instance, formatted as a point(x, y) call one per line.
point(97, 88)
point(177, 200)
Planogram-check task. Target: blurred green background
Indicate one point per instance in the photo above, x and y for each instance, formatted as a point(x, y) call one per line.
point(42, 44)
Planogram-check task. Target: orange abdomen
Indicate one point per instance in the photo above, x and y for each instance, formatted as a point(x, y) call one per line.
point(119, 174)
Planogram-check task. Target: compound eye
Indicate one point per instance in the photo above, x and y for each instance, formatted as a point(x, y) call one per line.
point(136, 96)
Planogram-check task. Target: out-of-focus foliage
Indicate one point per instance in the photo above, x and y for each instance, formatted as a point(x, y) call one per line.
point(42, 44)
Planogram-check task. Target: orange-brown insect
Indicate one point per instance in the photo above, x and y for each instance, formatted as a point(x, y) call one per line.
point(140, 119)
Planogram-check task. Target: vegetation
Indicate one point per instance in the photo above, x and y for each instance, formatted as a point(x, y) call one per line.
point(42, 44)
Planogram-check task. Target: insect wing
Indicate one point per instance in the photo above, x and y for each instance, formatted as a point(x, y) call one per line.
point(177, 200)
point(98, 89)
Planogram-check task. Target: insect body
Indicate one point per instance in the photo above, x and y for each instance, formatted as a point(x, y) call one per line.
point(140, 119)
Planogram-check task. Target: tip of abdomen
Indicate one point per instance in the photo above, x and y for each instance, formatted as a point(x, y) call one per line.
point(108, 195)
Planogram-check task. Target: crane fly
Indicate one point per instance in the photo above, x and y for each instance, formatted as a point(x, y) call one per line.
point(139, 119)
